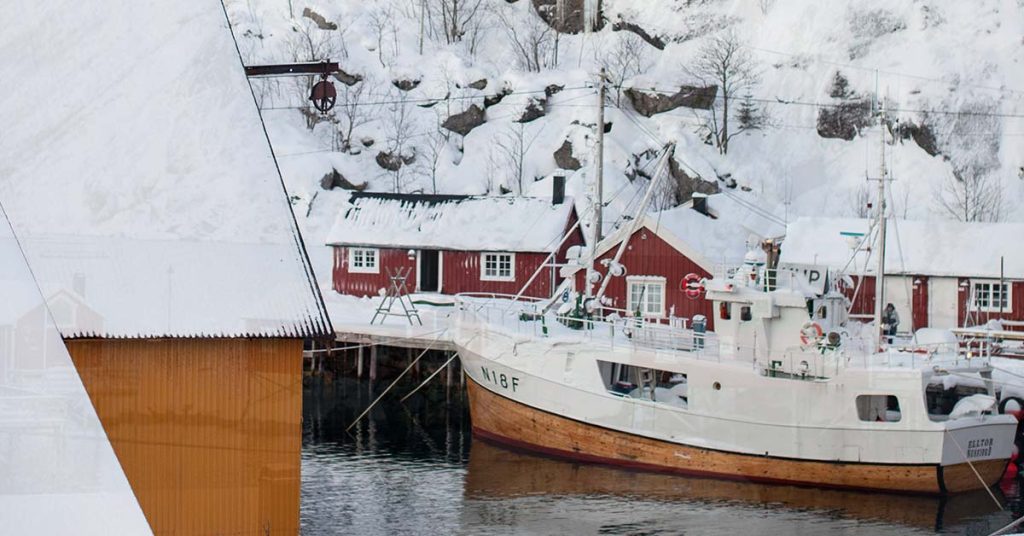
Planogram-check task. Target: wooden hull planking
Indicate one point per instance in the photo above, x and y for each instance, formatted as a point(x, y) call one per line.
point(506, 421)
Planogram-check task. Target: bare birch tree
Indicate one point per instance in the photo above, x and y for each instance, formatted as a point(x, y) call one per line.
point(398, 129)
point(353, 110)
point(531, 39)
point(723, 62)
point(510, 147)
point(971, 198)
point(628, 58)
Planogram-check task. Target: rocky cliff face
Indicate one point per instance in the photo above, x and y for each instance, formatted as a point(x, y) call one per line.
point(458, 96)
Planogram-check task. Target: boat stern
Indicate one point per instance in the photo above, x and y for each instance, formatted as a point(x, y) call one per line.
point(975, 452)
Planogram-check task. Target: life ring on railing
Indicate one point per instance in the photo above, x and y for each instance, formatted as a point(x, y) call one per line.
point(692, 286)
point(811, 333)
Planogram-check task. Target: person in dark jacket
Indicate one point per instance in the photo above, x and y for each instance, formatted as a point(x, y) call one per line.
point(890, 321)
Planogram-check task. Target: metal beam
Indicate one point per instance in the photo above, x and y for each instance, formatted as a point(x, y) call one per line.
point(292, 69)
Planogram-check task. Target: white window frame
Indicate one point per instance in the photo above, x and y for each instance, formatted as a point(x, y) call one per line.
point(364, 267)
point(498, 277)
point(984, 287)
point(649, 281)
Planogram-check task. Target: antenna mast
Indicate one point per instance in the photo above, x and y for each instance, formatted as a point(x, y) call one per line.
point(880, 246)
point(598, 188)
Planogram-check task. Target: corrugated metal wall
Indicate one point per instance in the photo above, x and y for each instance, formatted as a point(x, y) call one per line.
point(208, 431)
point(649, 255)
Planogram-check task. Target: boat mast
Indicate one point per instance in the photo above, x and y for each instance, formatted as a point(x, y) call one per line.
point(880, 246)
point(598, 200)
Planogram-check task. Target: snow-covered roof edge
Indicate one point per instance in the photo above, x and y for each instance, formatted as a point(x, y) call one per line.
point(928, 248)
point(456, 223)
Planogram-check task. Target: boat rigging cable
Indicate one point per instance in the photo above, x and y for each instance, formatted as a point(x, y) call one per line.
point(395, 381)
point(637, 221)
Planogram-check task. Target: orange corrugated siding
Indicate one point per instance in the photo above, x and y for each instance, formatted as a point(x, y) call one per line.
point(208, 431)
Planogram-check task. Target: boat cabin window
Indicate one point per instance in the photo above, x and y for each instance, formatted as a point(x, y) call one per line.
point(725, 310)
point(745, 315)
point(878, 408)
point(662, 386)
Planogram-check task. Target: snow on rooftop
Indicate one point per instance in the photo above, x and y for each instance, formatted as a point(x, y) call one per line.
point(522, 224)
point(133, 138)
point(718, 242)
point(934, 248)
point(712, 243)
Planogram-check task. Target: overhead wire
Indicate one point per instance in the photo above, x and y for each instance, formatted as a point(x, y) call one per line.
point(433, 100)
point(816, 104)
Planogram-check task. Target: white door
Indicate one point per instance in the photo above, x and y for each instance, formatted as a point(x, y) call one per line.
point(943, 297)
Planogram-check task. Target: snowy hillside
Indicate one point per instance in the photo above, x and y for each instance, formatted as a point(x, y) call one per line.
point(951, 75)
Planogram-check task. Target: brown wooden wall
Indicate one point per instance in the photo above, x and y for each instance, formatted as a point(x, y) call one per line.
point(208, 431)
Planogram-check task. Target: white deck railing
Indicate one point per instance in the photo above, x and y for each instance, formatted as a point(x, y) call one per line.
point(531, 317)
point(527, 316)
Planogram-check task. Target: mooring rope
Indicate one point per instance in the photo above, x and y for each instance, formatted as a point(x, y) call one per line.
point(393, 383)
point(976, 473)
point(426, 381)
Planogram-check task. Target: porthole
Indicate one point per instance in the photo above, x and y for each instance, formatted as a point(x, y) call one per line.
point(716, 386)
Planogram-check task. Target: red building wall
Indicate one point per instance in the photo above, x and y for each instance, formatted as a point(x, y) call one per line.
point(862, 299)
point(920, 305)
point(460, 272)
point(863, 303)
point(974, 319)
point(358, 284)
point(649, 255)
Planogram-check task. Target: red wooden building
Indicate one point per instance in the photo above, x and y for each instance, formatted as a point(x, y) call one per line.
point(938, 274)
point(660, 254)
point(452, 244)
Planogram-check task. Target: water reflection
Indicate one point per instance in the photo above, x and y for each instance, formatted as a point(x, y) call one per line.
point(415, 469)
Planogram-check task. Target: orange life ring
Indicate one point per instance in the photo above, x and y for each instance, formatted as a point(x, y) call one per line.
point(692, 286)
point(811, 333)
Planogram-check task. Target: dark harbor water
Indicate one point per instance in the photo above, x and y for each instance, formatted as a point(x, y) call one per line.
point(414, 468)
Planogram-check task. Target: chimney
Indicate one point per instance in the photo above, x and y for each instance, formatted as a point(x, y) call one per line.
point(700, 203)
point(557, 189)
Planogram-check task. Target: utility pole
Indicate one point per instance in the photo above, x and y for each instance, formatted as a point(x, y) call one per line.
point(599, 180)
point(598, 200)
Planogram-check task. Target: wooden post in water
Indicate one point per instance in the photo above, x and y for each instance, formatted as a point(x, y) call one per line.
point(359, 363)
point(373, 363)
point(448, 381)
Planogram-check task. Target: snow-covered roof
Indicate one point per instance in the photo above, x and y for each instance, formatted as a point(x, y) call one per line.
point(932, 248)
point(709, 242)
point(133, 158)
point(525, 224)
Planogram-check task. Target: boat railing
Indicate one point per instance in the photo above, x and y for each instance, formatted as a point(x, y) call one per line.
point(534, 317)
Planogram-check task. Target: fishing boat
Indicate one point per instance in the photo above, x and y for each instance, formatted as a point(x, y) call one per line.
point(786, 389)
